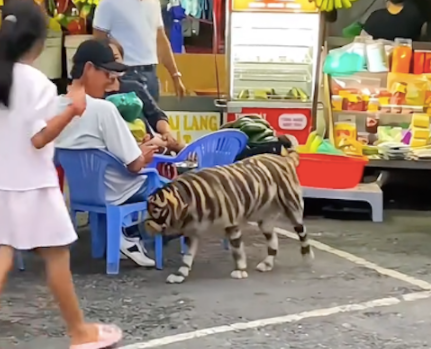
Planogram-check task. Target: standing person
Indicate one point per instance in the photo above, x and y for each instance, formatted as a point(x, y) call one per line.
point(138, 26)
point(400, 19)
point(424, 7)
point(33, 213)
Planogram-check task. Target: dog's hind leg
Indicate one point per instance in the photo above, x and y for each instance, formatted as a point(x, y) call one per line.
point(299, 227)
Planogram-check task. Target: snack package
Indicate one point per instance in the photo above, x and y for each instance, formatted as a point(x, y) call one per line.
point(427, 103)
point(410, 87)
point(353, 102)
point(389, 134)
point(138, 129)
point(344, 130)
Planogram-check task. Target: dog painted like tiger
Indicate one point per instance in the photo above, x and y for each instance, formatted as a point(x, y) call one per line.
point(259, 188)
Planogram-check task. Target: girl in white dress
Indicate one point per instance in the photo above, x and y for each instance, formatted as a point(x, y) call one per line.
point(33, 214)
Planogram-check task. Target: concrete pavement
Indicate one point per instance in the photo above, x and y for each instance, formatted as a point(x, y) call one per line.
point(326, 305)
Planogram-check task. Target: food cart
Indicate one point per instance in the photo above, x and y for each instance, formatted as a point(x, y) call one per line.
point(273, 60)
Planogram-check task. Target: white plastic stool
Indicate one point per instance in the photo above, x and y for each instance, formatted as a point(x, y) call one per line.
point(370, 193)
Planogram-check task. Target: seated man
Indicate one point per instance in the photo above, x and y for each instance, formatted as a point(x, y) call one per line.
point(101, 126)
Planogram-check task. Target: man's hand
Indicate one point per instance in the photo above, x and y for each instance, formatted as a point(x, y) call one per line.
point(180, 89)
point(172, 143)
point(156, 140)
point(148, 151)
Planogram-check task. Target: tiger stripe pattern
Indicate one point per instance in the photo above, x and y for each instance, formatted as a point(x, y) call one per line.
point(259, 188)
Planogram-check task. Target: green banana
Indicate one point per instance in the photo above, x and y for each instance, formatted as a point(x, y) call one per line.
point(324, 5)
point(310, 140)
point(244, 94)
point(347, 3)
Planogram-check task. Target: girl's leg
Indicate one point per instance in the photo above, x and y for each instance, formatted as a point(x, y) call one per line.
point(6, 264)
point(59, 279)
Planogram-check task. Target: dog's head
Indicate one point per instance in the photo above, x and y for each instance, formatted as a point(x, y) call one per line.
point(166, 209)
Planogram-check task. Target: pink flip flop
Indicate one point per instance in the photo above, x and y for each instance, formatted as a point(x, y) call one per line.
point(109, 335)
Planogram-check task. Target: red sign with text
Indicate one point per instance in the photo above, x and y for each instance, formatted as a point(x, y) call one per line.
point(294, 122)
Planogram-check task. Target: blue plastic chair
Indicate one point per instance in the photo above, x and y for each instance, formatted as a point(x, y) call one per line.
point(214, 149)
point(19, 260)
point(85, 172)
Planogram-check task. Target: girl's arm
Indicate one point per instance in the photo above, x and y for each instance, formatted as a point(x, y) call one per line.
point(53, 128)
point(46, 128)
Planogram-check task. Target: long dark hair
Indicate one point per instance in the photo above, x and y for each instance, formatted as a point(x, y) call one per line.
point(23, 26)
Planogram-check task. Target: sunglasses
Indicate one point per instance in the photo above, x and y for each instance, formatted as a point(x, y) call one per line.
point(112, 74)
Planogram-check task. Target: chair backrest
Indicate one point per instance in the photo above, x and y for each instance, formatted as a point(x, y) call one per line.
point(217, 148)
point(85, 173)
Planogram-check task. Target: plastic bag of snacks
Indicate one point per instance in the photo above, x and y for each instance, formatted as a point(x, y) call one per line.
point(353, 93)
point(377, 58)
point(345, 60)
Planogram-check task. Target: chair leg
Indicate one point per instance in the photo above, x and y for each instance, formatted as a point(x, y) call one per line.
point(19, 260)
point(226, 244)
point(158, 251)
point(73, 219)
point(98, 234)
point(183, 245)
point(113, 242)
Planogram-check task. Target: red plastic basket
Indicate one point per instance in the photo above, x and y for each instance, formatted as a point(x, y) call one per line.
point(330, 171)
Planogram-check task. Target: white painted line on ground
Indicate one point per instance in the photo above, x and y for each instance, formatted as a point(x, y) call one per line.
point(360, 261)
point(240, 326)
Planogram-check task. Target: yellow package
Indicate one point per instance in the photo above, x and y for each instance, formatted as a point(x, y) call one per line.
point(138, 129)
point(420, 120)
point(417, 85)
point(427, 103)
point(416, 143)
point(344, 130)
point(420, 133)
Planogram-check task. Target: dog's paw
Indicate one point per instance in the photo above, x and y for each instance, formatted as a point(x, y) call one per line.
point(239, 274)
point(175, 279)
point(308, 257)
point(264, 266)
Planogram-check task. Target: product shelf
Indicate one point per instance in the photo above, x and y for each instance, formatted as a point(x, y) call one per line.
point(384, 116)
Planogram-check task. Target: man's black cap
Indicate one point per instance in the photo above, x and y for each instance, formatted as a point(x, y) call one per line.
point(100, 54)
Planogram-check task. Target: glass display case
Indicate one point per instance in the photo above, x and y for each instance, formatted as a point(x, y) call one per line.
point(273, 53)
point(273, 56)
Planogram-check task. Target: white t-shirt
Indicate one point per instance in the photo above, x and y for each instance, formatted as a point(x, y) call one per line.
point(134, 24)
point(33, 101)
point(102, 127)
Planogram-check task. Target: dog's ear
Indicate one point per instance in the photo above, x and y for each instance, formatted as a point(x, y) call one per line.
point(285, 141)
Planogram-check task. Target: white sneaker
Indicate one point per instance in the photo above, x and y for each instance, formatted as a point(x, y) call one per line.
point(133, 248)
